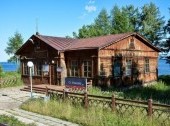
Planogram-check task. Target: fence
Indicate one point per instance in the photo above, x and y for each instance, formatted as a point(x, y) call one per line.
point(8, 82)
point(159, 112)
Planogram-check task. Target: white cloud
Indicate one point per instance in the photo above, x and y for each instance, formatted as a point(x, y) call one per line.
point(90, 8)
point(91, 1)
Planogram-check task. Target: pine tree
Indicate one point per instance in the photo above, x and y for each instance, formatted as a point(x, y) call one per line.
point(102, 23)
point(120, 21)
point(167, 31)
point(151, 23)
point(133, 15)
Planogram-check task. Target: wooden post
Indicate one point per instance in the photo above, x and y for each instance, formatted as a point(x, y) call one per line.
point(156, 74)
point(150, 107)
point(113, 105)
point(86, 100)
point(46, 93)
point(50, 73)
point(64, 94)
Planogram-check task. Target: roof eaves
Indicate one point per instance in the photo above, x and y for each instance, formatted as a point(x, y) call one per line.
point(24, 45)
point(83, 48)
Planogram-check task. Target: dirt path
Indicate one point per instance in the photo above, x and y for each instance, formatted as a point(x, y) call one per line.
point(12, 98)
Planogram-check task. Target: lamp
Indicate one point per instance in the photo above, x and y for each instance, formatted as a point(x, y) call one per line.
point(30, 65)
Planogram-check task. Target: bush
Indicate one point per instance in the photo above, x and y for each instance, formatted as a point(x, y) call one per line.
point(1, 71)
point(159, 92)
point(9, 78)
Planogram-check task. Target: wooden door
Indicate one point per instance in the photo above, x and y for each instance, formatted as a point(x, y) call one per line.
point(117, 71)
point(53, 75)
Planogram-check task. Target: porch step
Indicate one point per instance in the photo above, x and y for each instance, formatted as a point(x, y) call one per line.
point(34, 89)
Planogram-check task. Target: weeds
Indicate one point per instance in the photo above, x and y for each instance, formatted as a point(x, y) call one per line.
point(12, 121)
point(159, 92)
point(93, 116)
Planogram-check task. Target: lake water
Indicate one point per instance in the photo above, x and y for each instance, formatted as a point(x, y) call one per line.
point(7, 67)
point(163, 67)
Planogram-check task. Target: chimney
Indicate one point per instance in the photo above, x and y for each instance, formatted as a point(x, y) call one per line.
point(37, 33)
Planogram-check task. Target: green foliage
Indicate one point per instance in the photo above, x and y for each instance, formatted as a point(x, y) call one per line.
point(120, 21)
point(100, 27)
point(102, 23)
point(147, 21)
point(159, 91)
point(9, 78)
point(134, 17)
point(167, 30)
point(151, 23)
point(93, 116)
point(1, 71)
point(14, 43)
point(12, 121)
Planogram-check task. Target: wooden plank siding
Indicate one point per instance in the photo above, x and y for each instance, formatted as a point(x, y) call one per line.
point(43, 54)
point(80, 56)
point(121, 59)
point(138, 55)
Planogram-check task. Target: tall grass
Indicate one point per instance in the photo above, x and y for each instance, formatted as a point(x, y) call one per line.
point(159, 92)
point(92, 116)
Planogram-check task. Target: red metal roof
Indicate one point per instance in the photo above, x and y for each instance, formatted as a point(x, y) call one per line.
point(66, 44)
point(58, 43)
point(96, 42)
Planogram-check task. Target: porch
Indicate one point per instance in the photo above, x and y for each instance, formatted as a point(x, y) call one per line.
point(41, 88)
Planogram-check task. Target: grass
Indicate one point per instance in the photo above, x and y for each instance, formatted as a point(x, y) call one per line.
point(159, 92)
point(92, 116)
point(6, 75)
point(12, 121)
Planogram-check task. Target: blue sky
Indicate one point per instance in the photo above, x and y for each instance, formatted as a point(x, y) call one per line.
point(56, 17)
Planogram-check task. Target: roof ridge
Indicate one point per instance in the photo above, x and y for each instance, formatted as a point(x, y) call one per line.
point(55, 37)
point(128, 33)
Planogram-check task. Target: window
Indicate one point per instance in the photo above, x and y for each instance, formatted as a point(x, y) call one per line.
point(117, 68)
point(37, 45)
point(131, 44)
point(38, 66)
point(128, 67)
point(45, 69)
point(74, 68)
point(25, 70)
point(87, 68)
point(146, 65)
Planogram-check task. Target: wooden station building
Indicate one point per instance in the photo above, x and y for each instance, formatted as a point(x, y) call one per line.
point(120, 59)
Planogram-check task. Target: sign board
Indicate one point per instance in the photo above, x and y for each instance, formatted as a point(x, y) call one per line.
point(45, 68)
point(59, 69)
point(76, 83)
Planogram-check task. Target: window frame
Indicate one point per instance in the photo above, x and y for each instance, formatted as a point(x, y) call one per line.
point(74, 68)
point(147, 65)
point(25, 69)
point(86, 72)
point(128, 71)
point(132, 44)
point(117, 68)
point(38, 66)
